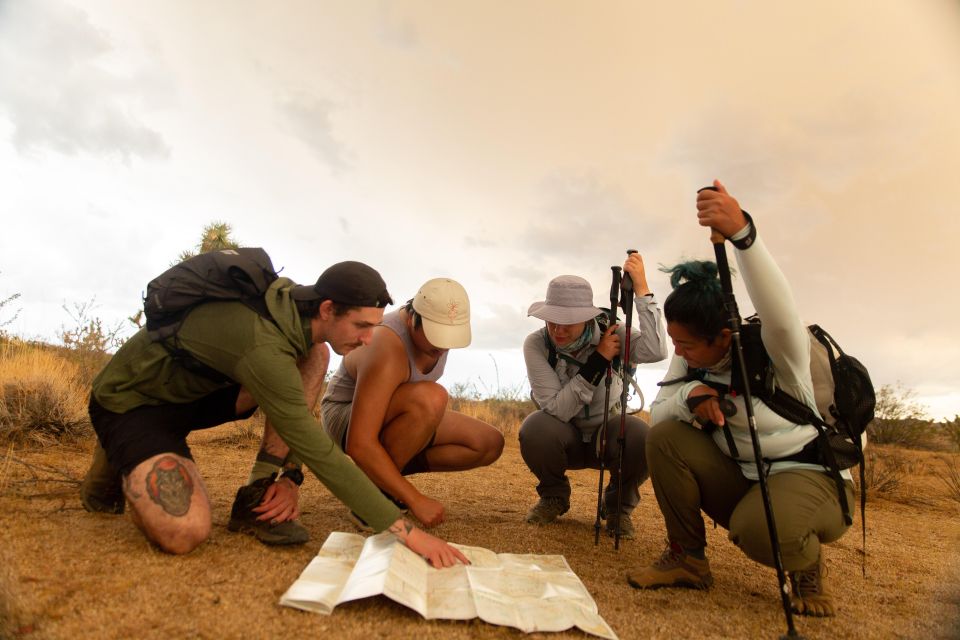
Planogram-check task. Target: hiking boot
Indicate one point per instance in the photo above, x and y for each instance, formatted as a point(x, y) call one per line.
point(244, 519)
point(102, 489)
point(627, 531)
point(674, 569)
point(548, 509)
point(810, 597)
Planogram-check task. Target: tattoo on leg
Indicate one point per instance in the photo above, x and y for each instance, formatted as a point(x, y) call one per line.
point(129, 490)
point(169, 485)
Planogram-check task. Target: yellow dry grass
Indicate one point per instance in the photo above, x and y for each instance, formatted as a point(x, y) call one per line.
point(41, 397)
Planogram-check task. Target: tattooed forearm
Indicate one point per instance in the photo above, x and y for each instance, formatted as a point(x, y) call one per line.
point(169, 485)
point(401, 528)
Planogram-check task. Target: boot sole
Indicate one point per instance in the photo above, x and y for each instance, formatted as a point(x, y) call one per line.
point(702, 585)
point(263, 536)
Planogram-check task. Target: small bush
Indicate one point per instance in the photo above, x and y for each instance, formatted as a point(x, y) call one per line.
point(884, 472)
point(951, 429)
point(900, 420)
point(41, 398)
point(89, 343)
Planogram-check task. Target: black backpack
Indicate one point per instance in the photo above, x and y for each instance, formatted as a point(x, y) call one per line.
point(844, 395)
point(242, 275)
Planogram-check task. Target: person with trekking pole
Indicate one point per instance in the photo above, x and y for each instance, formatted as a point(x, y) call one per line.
point(566, 362)
point(700, 452)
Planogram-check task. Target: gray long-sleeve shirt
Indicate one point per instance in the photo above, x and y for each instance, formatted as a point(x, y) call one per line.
point(559, 391)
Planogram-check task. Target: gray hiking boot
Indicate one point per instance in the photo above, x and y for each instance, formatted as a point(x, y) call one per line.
point(627, 531)
point(547, 510)
point(244, 519)
point(809, 595)
point(102, 489)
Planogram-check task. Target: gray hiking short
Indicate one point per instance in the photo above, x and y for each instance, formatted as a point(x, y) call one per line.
point(336, 420)
point(336, 424)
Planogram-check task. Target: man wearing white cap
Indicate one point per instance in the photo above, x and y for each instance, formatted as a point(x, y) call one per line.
point(385, 409)
point(566, 362)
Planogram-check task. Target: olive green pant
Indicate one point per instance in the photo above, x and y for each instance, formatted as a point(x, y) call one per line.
point(690, 473)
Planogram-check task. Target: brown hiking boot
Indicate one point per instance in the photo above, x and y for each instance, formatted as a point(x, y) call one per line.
point(548, 509)
point(102, 489)
point(674, 569)
point(810, 597)
point(244, 519)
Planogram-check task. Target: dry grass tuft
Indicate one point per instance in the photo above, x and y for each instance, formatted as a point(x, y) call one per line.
point(504, 414)
point(41, 398)
point(885, 472)
point(949, 477)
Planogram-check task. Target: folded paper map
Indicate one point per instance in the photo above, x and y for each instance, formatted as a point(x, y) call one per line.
point(526, 591)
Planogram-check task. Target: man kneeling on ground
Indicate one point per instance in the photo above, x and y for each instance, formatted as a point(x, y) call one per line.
point(145, 402)
point(385, 409)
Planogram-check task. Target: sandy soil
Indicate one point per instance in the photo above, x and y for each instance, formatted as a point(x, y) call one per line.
point(65, 573)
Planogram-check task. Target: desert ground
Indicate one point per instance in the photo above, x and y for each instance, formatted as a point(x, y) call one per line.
point(65, 573)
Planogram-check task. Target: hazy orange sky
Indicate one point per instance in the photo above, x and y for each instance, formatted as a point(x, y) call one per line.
point(498, 143)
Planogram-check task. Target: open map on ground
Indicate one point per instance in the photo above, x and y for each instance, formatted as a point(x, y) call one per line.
point(529, 592)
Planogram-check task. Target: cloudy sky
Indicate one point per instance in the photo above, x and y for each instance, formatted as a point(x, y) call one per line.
point(498, 143)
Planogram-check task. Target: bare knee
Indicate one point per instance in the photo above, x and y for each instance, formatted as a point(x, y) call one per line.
point(491, 446)
point(429, 402)
point(181, 538)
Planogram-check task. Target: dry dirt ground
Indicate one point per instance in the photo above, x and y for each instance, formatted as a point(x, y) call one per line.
point(65, 573)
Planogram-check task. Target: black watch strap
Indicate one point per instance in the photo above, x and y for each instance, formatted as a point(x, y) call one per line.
point(293, 475)
point(746, 241)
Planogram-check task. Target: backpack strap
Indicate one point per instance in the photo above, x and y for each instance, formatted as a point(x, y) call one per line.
point(700, 375)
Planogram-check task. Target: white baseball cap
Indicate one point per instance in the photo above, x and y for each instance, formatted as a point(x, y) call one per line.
point(445, 309)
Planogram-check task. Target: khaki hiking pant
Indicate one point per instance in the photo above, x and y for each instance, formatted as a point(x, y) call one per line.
point(550, 447)
point(690, 473)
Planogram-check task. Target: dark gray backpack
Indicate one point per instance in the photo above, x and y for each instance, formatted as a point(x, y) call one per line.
point(242, 275)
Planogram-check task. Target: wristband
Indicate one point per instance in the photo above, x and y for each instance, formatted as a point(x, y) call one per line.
point(746, 241)
point(593, 369)
point(294, 475)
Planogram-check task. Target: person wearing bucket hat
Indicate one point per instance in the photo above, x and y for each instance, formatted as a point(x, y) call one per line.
point(566, 364)
point(385, 408)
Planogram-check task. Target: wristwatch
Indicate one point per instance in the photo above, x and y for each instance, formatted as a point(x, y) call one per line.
point(294, 475)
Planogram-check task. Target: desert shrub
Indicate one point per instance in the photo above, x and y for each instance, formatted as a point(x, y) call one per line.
point(949, 476)
point(900, 420)
point(88, 342)
point(41, 396)
point(884, 472)
point(951, 429)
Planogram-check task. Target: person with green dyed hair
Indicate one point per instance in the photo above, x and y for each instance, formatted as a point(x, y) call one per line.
point(693, 468)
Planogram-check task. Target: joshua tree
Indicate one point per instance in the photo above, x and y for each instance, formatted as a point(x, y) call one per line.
point(216, 236)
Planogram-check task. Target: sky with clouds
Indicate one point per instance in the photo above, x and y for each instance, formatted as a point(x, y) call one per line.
point(497, 143)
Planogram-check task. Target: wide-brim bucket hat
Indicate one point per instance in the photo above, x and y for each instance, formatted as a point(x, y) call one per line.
point(569, 301)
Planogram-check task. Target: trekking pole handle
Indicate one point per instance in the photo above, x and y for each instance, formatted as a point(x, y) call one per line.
point(627, 283)
point(614, 294)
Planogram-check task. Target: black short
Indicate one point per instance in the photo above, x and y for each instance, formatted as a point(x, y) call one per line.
point(132, 437)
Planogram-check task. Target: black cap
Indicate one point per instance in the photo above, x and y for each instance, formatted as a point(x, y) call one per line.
point(351, 283)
